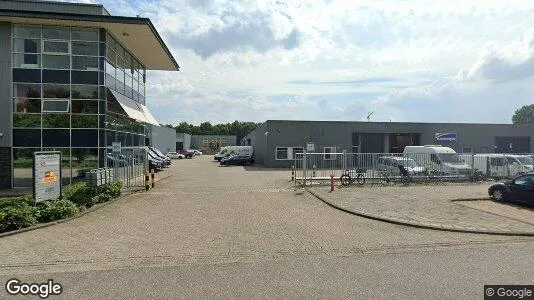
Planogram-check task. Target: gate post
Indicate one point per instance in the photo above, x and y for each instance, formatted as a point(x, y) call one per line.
point(345, 165)
point(472, 165)
point(304, 165)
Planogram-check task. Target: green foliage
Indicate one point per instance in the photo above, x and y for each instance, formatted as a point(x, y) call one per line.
point(113, 189)
point(19, 212)
point(56, 210)
point(23, 163)
point(14, 201)
point(239, 129)
point(524, 115)
point(79, 194)
point(17, 216)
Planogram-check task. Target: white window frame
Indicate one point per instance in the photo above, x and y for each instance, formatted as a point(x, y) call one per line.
point(290, 153)
point(293, 154)
point(276, 153)
point(55, 100)
point(328, 155)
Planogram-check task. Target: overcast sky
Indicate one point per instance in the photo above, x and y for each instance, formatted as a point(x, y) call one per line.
point(413, 61)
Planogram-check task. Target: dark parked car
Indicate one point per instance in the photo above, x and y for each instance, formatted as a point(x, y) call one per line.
point(237, 160)
point(520, 188)
point(187, 153)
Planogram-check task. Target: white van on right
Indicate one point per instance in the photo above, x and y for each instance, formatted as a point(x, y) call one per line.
point(439, 158)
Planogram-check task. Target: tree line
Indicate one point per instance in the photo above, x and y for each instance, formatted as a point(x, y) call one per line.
point(524, 115)
point(237, 128)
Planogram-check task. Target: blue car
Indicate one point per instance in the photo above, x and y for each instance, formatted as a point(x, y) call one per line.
point(520, 188)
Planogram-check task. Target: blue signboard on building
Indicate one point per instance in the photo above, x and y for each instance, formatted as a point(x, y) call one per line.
point(449, 136)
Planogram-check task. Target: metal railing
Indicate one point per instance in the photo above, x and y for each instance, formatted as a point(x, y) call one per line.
point(129, 166)
point(421, 167)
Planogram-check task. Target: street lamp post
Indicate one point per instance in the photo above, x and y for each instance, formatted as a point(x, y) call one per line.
point(266, 142)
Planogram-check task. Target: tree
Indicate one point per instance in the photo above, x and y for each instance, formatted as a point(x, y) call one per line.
point(237, 128)
point(524, 115)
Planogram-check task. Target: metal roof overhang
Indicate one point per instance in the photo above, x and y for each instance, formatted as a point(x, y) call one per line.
point(137, 34)
point(133, 109)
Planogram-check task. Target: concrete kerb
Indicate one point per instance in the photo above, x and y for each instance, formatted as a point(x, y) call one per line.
point(78, 215)
point(418, 224)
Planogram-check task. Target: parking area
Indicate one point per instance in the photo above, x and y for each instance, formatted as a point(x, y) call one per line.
point(203, 213)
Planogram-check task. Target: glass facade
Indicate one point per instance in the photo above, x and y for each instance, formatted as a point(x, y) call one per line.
point(61, 101)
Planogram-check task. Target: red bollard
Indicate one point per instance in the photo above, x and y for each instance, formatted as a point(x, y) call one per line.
point(331, 182)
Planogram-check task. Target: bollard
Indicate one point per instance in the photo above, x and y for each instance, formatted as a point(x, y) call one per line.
point(292, 173)
point(314, 167)
point(152, 176)
point(147, 181)
point(331, 182)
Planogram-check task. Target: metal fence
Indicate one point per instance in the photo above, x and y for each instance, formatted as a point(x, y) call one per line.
point(129, 166)
point(420, 167)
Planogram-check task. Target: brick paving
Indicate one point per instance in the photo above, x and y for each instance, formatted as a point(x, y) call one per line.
point(431, 206)
point(206, 214)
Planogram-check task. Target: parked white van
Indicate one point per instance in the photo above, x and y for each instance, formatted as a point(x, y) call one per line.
point(237, 150)
point(439, 158)
point(496, 165)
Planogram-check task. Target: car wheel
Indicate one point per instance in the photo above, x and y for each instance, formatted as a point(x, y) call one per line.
point(497, 195)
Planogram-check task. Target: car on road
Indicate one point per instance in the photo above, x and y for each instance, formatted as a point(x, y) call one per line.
point(237, 160)
point(196, 152)
point(175, 155)
point(520, 188)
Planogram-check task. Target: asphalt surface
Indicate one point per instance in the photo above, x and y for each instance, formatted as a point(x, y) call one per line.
point(235, 232)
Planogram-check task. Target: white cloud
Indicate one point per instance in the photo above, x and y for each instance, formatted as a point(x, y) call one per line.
point(446, 60)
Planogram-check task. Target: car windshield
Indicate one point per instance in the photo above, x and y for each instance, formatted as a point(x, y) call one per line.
point(452, 158)
point(525, 160)
point(409, 163)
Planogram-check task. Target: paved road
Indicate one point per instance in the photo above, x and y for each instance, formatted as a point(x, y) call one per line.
point(210, 231)
point(432, 206)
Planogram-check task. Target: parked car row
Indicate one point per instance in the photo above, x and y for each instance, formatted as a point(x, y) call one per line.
point(156, 159)
point(235, 155)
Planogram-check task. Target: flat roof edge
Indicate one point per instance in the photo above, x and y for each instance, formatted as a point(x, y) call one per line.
point(92, 18)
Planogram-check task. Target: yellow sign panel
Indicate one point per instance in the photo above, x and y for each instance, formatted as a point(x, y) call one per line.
point(49, 177)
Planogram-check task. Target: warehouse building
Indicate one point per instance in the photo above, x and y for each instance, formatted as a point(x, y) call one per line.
point(72, 79)
point(276, 142)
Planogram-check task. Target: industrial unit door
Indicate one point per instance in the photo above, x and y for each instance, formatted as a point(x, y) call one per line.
point(512, 144)
point(372, 142)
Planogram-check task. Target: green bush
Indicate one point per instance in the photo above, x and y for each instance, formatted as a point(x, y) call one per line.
point(113, 189)
point(79, 194)
point(14, 201)
point(56, 210)
point(17, 216)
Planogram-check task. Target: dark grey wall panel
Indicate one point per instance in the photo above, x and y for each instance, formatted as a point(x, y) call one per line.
point(41, 6)
point(5, 85)
point(479, 137)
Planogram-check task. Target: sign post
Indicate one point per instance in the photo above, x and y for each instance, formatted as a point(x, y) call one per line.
point(116, 147)
point(46, 175)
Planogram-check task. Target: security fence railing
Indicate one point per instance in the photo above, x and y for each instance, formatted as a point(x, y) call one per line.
point(373, 168)
point(129, 166)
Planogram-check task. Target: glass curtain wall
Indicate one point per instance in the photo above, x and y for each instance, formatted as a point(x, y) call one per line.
point(124, 74)
point(58, 98)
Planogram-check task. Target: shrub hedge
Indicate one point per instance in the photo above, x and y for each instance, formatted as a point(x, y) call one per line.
point(20, 212)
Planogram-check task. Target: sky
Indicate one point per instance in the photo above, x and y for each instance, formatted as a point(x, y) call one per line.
point(404, 61)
